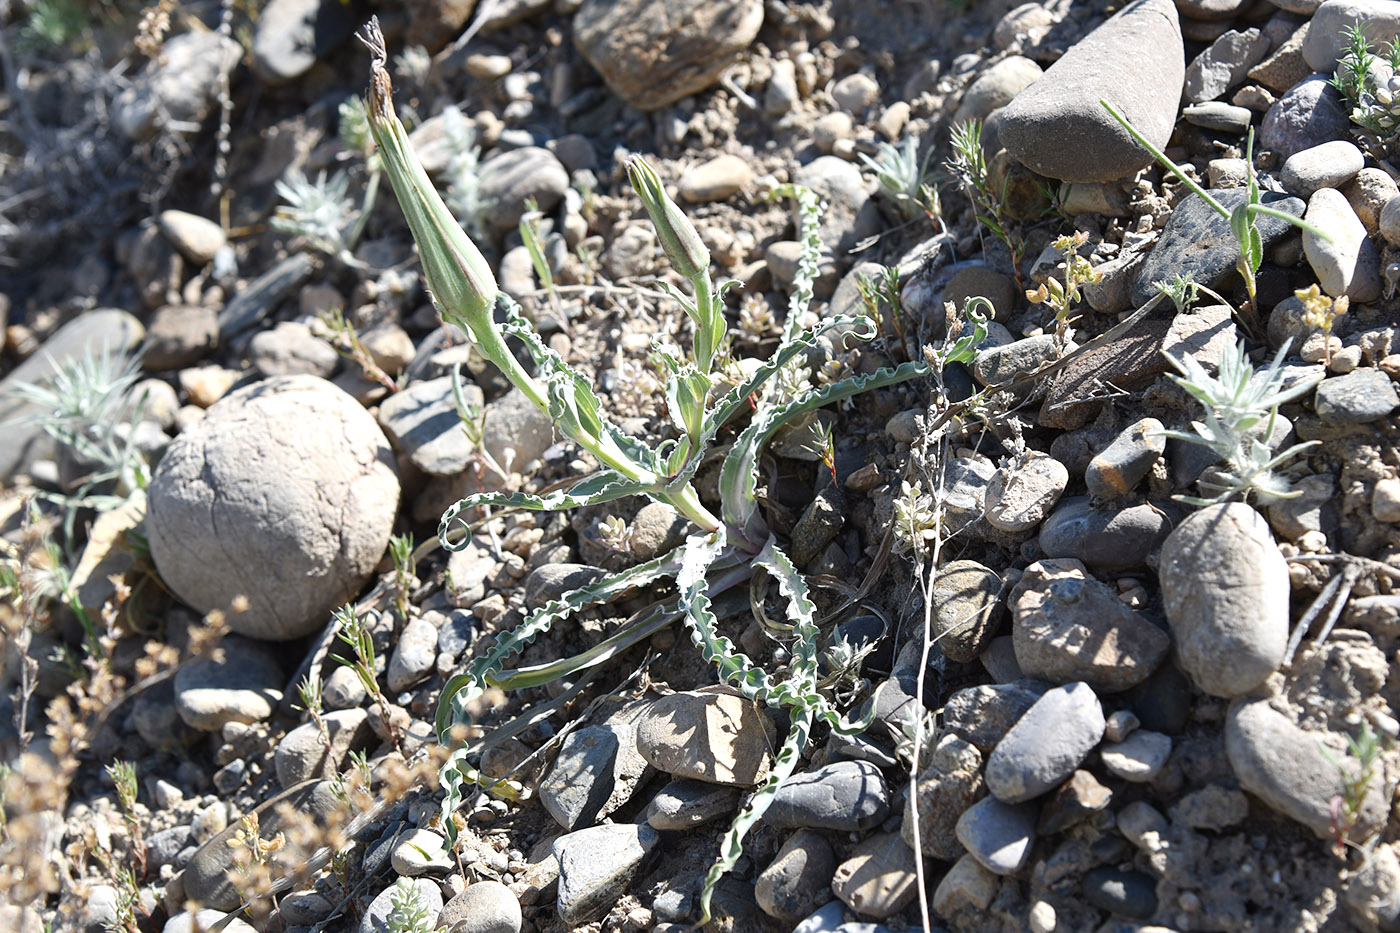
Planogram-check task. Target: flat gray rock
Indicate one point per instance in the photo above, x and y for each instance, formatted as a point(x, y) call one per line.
point(422, 421)
point(845, 796)
point(595, 867)
point(998, 835)
point(245, 686)
point(1359, 397)
point(1197, 241)
point(1046, 744)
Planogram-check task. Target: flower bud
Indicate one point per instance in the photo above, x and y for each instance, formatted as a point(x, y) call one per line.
point(678, 235)
point(456, 273)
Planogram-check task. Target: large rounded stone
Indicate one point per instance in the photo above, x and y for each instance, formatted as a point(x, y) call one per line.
point(654, 53)
point(284, 494)
point(1225, 591)
point(1135, 60)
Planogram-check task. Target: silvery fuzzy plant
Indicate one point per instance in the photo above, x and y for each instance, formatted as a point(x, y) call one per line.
point(727, 548)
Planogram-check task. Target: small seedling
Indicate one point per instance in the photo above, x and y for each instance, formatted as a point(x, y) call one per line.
point(345, 339)
point(969, 164)
point(615, 534)
point(915, 520)
point(1373, 101)
point(353, 632)
point(904, 178)
point(881, 292)
point(1243, 223)
point(123, 775)
point(405, 567)
point(1366, 748)
point(756, 320)
point(1239, 403)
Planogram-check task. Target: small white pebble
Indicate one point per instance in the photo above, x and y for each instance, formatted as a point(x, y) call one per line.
point(1042, 917)
point(1385, 500)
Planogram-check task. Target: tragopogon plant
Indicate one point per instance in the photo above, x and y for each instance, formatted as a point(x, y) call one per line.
point(729, 545)
point(1242, 219)
point(1241, 406)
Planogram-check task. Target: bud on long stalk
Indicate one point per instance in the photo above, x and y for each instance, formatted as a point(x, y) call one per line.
point(457, 275)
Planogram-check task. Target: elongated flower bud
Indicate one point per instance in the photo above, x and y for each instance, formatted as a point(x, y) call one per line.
point(457, 274)
point(678, 235)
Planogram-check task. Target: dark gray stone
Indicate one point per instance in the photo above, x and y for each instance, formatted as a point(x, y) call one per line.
point(1130, 893)
point(1104, 539)
point(1197, 241)
point(595, 867)
point(1359, 397)
point(846, 796)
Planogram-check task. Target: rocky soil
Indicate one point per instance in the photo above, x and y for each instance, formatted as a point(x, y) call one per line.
point(1103, 709)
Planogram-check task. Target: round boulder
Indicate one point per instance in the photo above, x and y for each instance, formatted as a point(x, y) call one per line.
point(285, 493)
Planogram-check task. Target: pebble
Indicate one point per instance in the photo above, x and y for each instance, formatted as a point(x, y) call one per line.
point(1285, 65)
point(782, 89)
point(1346, 264)
point(1069, 627)
point(290, 349)
point(966, 608)
point(376, 916)
point(343, 689)
point(1022, 493)
point(965, 489)
point(414, 654)
point(516, 432)
point(855, 93)
point(197, 238)
point(844, 796)
point(1218, 115)
point(967, 886)
point(685, 804)
point(997, 87)
point(1329, 165)
point(205, 385)
point(947, 787)
point(830, 129)
point(1284, 765)
point(304, 907)
point(1325, 42)
point(715, 180)
point(651, 56)
point(1120, 724)
point(290, 36)
point(1197, 241)
point(983, 714)
point(798, 878)
point(484, 906)
point(977, 279)
point(1368, 193)
point(1225, 592)
point(878, 879)
point(1058, 128)
point(1073, 802)
point(245, 686)
point(179, 86)
point(419, 852)
point(581, 780)
point(1004, 363)
point(1385, 501)
point(714, 737)
point(206, 878)
point(1224, 64)
point(1389, 221)
point(1130, 457)
point(1138, 758)
point(998, 835)
point(511, 178)
point(303, 754)
point(1104, 539)
point(1046, 744)
point(190, 921)
point(595, 867)
point(1213, 807)
point(1308, 114)
point(851, 213)
point(1359, 397)
point(818, 525)
point(1129, 893)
